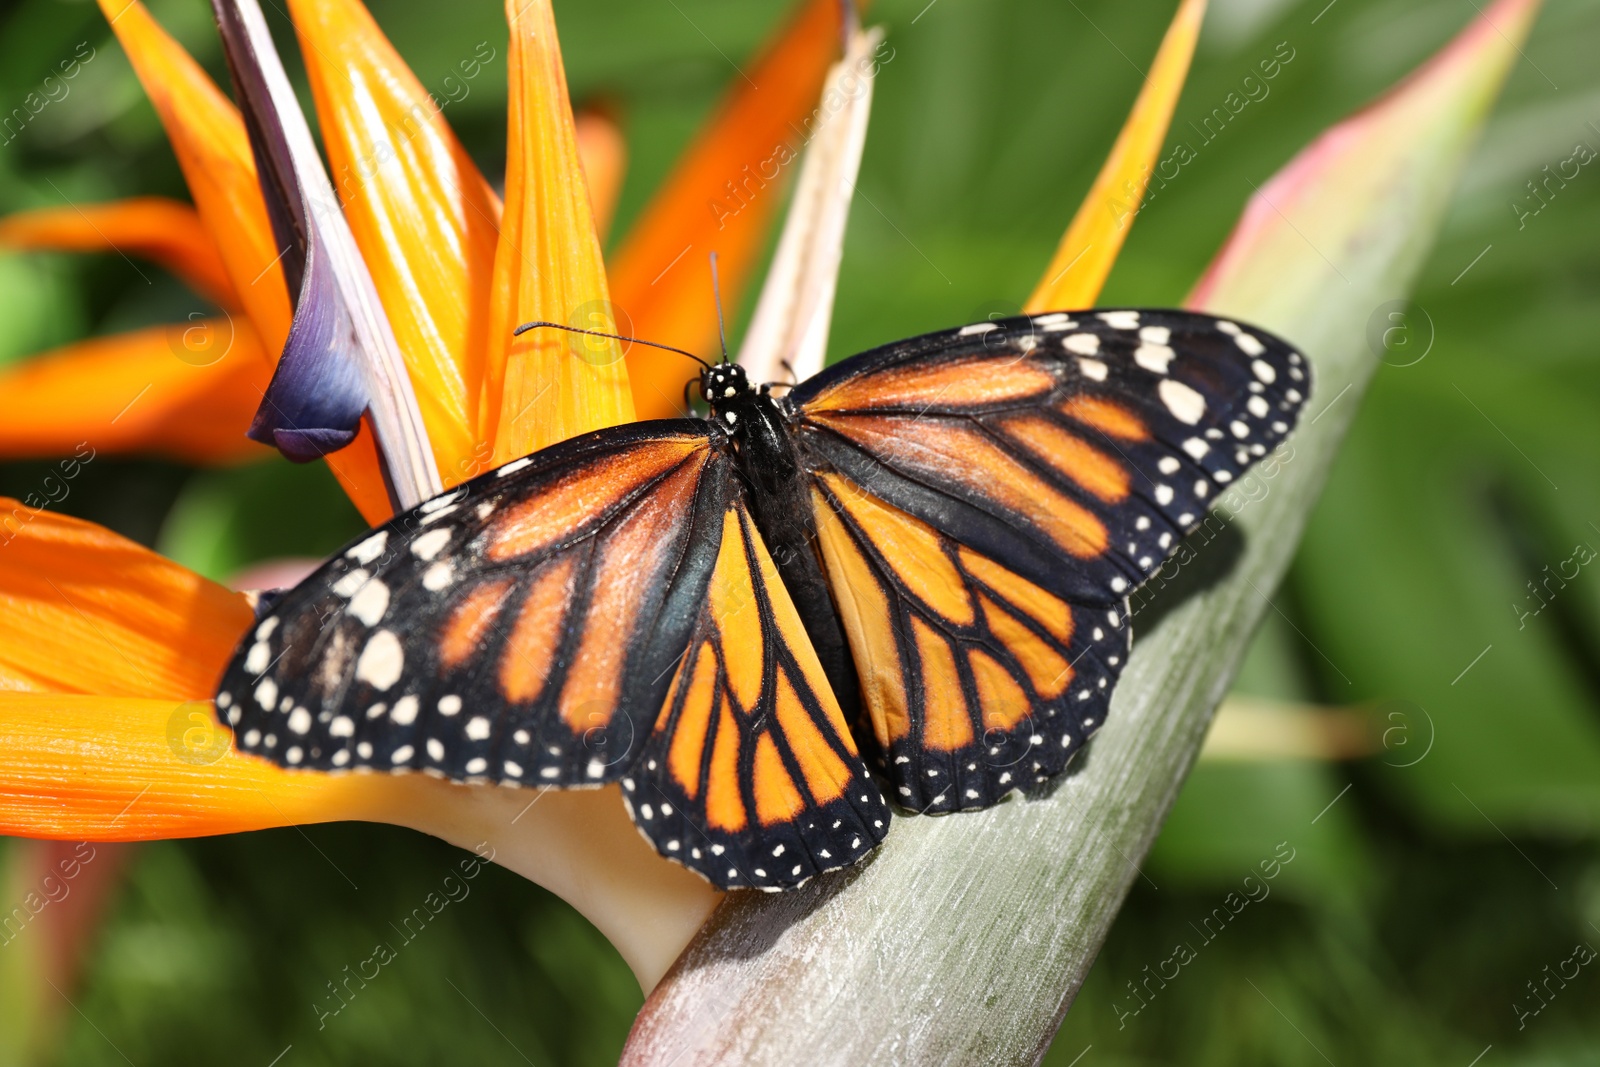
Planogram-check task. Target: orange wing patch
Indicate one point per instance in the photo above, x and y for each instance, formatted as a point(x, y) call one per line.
point(865, 609)
point(1107, 416)
point(464, 630)
point(586, 495)
point(689, 740)
point(1102, 475)
point(756, 747)
point(974, 381)
point(960, 453)
point(531, 647)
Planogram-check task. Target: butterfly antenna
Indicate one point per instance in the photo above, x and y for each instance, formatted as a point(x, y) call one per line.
point(525, 327)
point(716, 293)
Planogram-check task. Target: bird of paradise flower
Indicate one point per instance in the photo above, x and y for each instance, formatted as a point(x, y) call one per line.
point(107, 736)
point(114, 650)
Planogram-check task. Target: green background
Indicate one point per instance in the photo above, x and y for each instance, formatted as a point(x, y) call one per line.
point(1416, 906)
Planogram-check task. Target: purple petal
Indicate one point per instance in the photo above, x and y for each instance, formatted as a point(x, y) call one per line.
point(313, 405)
point(317, 396)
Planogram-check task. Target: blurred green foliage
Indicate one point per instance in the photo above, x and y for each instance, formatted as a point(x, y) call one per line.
point(1429, 884)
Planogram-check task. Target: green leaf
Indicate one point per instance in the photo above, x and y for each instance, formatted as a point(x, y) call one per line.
point(965, 940)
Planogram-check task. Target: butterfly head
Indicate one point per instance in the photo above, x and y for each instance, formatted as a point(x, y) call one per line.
point(724, 384)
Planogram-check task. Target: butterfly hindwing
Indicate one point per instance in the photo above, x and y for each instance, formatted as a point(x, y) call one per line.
point(520, 628)
point(987, 498)
point(975, 681)
point(751, 776)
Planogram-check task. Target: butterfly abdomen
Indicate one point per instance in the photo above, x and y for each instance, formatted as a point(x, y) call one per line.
point(781, 508)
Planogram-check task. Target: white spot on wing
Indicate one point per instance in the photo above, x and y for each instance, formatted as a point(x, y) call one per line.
point(443, 500)
point(1120, 320)
point(370, 549)
point(976, 328)
point(370, 602)
point(1153, 357)
point(381, 661)
point(513, 467)
point(258, 659)
point(1082, 344)
point(351, 581)
point(430, 544)
point(1186, 405)
point(405, 711)
point(439, 576)
point(1093, 368)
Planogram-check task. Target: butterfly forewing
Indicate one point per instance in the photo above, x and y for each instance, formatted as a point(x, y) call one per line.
point(521, 628)
point(751, 776)
point(1078, 448)
point(986, 499)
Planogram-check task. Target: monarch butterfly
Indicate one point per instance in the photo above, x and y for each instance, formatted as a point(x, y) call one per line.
point(922, 554)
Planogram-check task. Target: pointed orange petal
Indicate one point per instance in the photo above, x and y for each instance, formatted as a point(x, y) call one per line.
point(187, 391)
point(422, 214)
point(165, 231)
point(720, 198)
point(604, 151)
point(546, 385)
point(128, 769)
point(1089, 248)
point(209, 140)
point(83, 610)
point(360, 474)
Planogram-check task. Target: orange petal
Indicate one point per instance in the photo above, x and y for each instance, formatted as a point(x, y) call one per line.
point(720, 198)
point(129, 769)
point(422, 214)
point(84, 610)
point(166, 231)
point(187, 391)
point(1089, 247)
point(209, 140)
point(604, 151)
point(546, 385)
